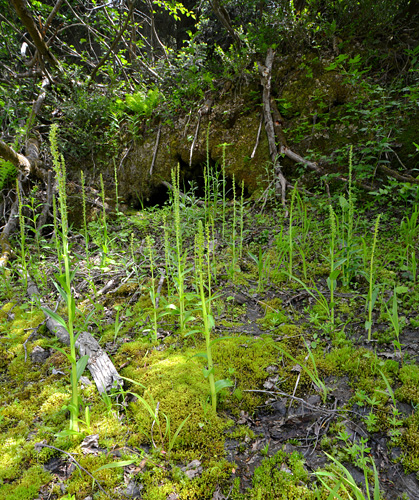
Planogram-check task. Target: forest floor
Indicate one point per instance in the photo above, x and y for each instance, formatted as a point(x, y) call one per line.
point(313, 318)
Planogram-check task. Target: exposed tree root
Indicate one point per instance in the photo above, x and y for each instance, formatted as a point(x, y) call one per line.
point(265, 78)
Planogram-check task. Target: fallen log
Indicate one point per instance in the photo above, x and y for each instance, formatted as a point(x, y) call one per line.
point(100, 366)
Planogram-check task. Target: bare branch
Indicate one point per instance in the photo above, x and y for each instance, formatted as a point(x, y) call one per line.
point(29, 23)
point(52, 14)
point(114, 43)
point(225, 20)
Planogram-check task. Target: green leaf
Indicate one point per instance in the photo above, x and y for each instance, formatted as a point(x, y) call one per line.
point(55, 316)
point(72, 308)
point(132, 381)
point(339, 262)
point(61, 291)
point(374, 295)
point(81, 365)
point(207, 372)
point(211, 321)
point(62, 351)
point(219, 339)
point(63, 282)
point(343, 202)
point(173, 440)
point(200, 355)
point(150, 410)
point(222, 384)
point(114, 465)
point(188, 318)
point(66, 433)
point(191, 332)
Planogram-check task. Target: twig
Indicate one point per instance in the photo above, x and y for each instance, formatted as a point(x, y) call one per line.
point(297, 381)
point(125, 155)
point(40, 445)
point(194, 139)
point(312, 407)
point(156, 147)
point(257, 137)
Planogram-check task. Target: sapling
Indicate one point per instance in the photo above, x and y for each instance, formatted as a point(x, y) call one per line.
point(261, 261)
point(223, 168)
point(64, 286)
point(281, 245)
point(105, 248)
point(290, 239)
point(116, 186)
point(209, 370)
point(372, 291)
point(118, 324)
point(167, 260)
point(207, 319)
point(241, 221)
point(153, 409)
point(344, 481)
point(347, 224)
point(409, 231)
point(56, 238)
point(234, 234)
point(394, 318)
point(207, 179)
point(153, 288)
point(86, 233)
point(33, 208)
point(179, 279)
point(315, 293)
point(208, 259)
point(334, 265)
point(22, 233)
point(303, 215)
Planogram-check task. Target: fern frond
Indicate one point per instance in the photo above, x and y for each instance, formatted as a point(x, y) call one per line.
point(8, 172)
point(143, 103)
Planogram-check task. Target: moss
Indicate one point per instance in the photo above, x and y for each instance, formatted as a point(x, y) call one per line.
point(241, 432)
point(159, 483)
point(274, 314)
point(52, 409)
point(409, 391)
point(279, 477)
point(109, 478)
point(246, 361)
point(410, 444)
point(28, 486)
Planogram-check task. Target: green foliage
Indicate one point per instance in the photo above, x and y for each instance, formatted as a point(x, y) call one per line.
point(87, 113)
point(8, 172)
point(189, 75)
point(143, 103)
